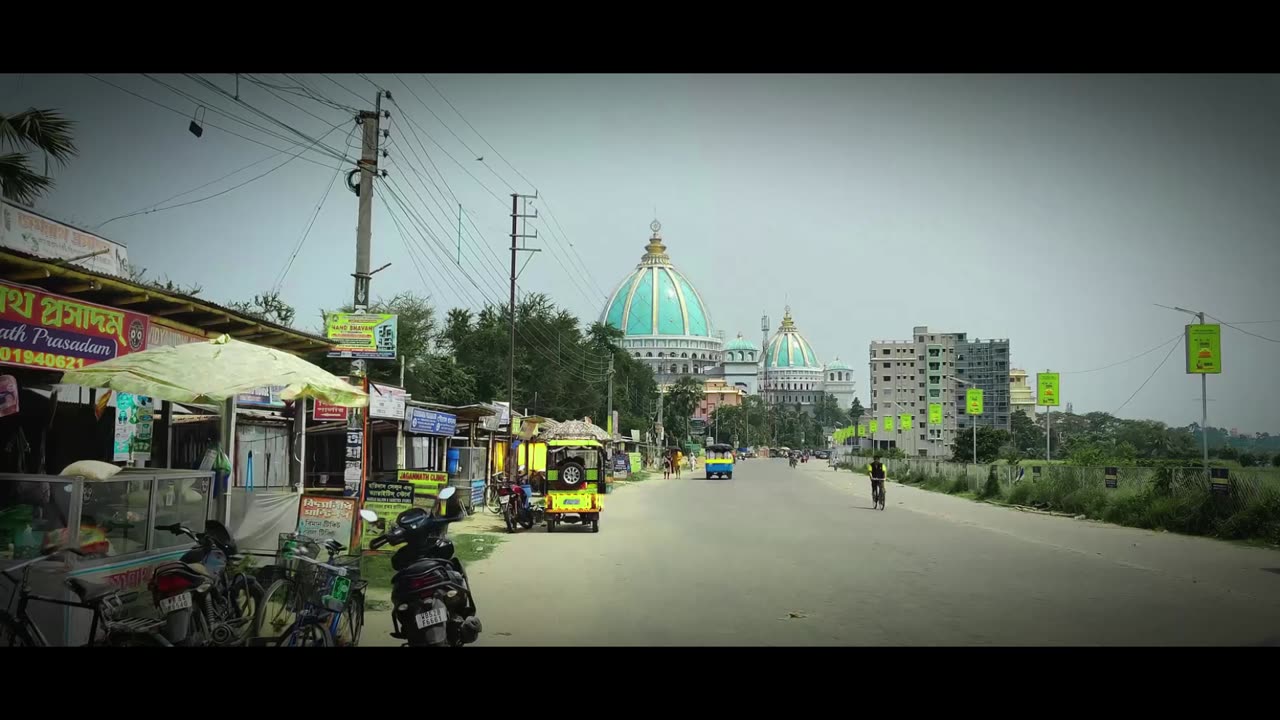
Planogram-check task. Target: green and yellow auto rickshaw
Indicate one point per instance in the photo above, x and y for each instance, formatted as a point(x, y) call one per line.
point(720, 461)
point(576, 470)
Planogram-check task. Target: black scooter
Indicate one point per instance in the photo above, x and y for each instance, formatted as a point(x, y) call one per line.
point(430, 596)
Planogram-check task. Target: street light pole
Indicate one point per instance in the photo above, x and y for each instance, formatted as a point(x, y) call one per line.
point(1204, 395)
point(972, 422)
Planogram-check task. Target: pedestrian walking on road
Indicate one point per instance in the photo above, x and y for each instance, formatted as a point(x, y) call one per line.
point(679, 461)
point(666, 468)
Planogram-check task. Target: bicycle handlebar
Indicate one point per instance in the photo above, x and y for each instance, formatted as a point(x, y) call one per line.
point(340, 571)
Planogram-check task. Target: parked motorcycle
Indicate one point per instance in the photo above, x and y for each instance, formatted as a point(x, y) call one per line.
point(431, 599)
point(516, 500)
point(200, 603)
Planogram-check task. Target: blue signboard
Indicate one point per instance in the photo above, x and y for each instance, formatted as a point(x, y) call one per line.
point(431, 422)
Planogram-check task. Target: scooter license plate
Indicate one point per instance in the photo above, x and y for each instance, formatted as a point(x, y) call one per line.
point(434, 617)
point(175, 602)
point(504, 499)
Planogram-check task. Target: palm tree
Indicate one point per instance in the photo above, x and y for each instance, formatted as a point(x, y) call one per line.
point(21, 134)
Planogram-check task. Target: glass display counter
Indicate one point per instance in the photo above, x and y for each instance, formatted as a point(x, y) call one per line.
point(112, 521)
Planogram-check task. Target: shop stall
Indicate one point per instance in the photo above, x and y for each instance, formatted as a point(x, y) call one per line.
point(113, 520)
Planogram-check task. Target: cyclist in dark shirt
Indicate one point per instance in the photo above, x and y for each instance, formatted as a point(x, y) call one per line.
point(876, 472)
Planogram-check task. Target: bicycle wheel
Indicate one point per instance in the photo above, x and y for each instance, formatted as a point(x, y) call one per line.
point(309, 633)
point(277, 610)
point(351, 621)
point(491, 502)
point(13, 634)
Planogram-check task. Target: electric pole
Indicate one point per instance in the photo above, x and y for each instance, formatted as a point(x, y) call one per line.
point(356, 467)
point(612, 429)
point(516, 235)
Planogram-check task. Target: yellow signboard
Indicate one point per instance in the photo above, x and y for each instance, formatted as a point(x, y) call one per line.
point(904, 421)
point(427, 485)
point(1204, 349)
point(371, 336)
point(973, 401)
point(875, 426)
point(1047, 383)
point(888, 424)
point(935, 413)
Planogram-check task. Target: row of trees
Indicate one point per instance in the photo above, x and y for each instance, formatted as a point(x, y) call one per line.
point(1099, 438)
point(560, 369)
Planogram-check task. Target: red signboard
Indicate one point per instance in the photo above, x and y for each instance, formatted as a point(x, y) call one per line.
point(43, 330)
point(324, 411)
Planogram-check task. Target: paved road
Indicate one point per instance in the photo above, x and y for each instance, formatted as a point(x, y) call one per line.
point(796, 557)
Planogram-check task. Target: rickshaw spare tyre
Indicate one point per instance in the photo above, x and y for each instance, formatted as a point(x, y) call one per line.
point(572, 472)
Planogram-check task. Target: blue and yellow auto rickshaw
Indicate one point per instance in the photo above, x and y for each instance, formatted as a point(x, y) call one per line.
point(719, 461)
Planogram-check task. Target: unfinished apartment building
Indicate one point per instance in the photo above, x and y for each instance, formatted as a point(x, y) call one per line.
point(907, 376)
point(983, 364)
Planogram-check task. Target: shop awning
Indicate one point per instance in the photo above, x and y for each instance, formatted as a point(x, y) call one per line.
point(213, 371)
point(195, 315)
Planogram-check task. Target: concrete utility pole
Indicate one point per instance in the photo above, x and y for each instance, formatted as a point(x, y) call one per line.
point(612, 429)
point(516, 235)
point(358, 418)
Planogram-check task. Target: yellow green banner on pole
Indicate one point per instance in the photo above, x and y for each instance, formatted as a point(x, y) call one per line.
point(973, 401)
point(1204, 349)
point(875, 426)
point(888, 424)
point(1047, 386)
point(904, 421)
point(935, 413)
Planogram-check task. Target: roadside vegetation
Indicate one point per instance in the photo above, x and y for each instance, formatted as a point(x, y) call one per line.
point(1168, 496)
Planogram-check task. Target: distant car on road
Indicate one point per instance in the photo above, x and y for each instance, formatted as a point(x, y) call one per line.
point(822, 454)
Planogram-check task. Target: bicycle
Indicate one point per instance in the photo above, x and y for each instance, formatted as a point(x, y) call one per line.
point(299, 598)
point(877, 493)
point(17, 629)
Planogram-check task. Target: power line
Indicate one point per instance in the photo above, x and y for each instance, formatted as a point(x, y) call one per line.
point(263, 114)
point(1122, 362)
point(1246, 332)
point(414, 122)
point(202, 102)
point(529, 334)
point(477, 132)
point(1144, 382)
point(198, 187)
point(220, 192)
point(494, 265)
point(328, 188)
point(474, 154)
point(533, 343)
point(206, 123)
point(572, 252)
point(344, 87)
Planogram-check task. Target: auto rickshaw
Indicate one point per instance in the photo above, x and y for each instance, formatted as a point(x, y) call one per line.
point(575, 485)
point(720, 461)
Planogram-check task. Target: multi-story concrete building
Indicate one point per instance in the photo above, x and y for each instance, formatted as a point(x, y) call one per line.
point(907, 376)
point(982, 364)
point(1021, 398)
point(717, 393)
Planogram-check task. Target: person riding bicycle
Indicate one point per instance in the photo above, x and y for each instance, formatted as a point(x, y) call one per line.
point(875, 471)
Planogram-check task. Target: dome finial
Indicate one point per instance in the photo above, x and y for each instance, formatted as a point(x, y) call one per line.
point(656, 251)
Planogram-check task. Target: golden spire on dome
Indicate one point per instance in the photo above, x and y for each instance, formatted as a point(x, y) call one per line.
point(655, 251)
point(787, 323)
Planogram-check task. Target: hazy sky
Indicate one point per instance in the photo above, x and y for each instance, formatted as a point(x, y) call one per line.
point(1053, 211)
